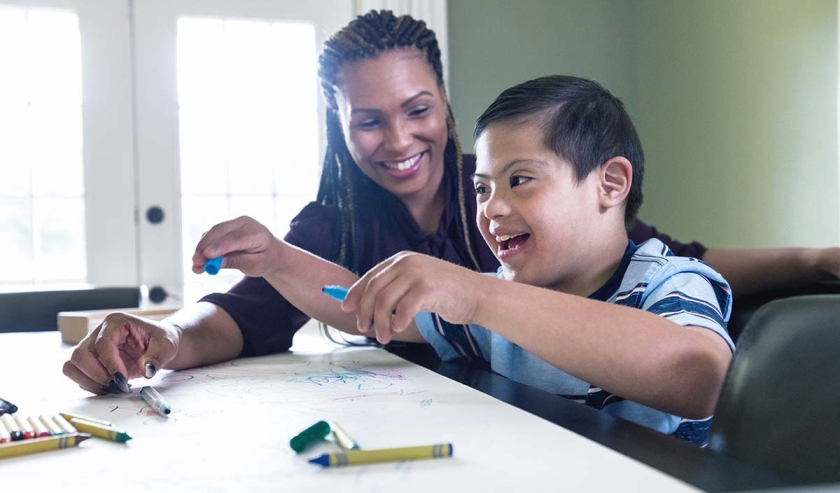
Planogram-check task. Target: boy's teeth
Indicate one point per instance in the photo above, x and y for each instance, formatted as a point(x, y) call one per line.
point(505, 237)
point(403, 165)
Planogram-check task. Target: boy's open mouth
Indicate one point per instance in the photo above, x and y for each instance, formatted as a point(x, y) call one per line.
point(511, 242)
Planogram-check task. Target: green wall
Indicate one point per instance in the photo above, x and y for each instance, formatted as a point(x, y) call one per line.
point(735, 101)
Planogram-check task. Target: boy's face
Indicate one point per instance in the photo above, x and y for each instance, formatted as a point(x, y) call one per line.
point(540, 223)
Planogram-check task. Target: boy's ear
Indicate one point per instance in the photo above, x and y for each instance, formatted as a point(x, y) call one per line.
point(616, 176)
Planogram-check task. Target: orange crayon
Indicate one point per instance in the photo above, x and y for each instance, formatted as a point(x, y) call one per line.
point(40, 429)
point(5, 435)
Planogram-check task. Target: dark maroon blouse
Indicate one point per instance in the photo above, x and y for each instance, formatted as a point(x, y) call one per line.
point(268, 322)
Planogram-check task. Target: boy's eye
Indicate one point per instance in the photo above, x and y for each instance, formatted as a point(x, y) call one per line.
point(518, 180)
point(480, 189)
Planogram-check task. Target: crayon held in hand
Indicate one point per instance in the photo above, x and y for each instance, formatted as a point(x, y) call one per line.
point(213, 265)
point(337, 293)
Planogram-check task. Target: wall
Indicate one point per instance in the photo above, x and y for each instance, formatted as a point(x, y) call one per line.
point(739, 120)
point(735, 101)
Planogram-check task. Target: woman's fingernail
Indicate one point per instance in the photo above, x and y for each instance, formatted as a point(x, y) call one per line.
point(150, 370)
point(121, 382)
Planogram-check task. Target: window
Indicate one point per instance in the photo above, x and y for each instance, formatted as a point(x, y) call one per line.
point(42, 192)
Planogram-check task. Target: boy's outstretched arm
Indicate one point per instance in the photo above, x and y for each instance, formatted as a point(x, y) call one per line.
point(754, 270)
point(626, 351)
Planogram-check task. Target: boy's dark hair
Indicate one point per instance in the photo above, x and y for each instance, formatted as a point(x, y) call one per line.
point(343, 185)
point(583, 123)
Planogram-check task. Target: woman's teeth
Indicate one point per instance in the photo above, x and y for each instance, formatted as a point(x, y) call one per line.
point(403, 165)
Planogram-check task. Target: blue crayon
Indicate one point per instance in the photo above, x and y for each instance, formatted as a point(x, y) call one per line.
point(337, 293)
point(213, 265)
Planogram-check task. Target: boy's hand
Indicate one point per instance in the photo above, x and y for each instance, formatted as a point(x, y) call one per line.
point(245, 244)
point(388, 297)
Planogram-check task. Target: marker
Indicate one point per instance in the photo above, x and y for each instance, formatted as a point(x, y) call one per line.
point(41, 445)
point(337, 293)
point(156, 401)
point(38, 426)
point(7, 407)
point(213, 265)
point(25, 427)
point(70, 417)
point(15, 433)
point(64, 424)
point(354, 457)
point(307, 437)
point(51, 425)
point(99, 430)
point(344, 440)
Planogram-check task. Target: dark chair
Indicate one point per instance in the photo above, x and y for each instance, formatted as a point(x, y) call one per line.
point(780, 404)
point(37, 311)
point(745, 307)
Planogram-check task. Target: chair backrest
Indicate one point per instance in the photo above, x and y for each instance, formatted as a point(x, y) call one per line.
point(780, 403)
point(34, 311)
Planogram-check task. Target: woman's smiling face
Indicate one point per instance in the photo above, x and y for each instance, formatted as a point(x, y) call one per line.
point(393, 115)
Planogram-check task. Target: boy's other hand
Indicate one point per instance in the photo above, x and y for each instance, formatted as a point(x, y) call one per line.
point(387, 298)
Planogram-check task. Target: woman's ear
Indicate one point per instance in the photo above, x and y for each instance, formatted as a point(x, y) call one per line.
point(616, 176)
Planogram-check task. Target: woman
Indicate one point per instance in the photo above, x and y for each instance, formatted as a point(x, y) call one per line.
point(393, 179)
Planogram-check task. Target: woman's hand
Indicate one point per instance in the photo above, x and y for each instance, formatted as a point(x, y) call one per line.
point(388, 297)
point(122, 347)
point(245, 244)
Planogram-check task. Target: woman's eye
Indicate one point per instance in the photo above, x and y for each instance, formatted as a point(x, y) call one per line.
point(420, 111)
point(518, 180)
point(367, 124)
point(480, 189)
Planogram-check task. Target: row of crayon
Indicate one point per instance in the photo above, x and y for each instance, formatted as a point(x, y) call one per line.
point(17, 430)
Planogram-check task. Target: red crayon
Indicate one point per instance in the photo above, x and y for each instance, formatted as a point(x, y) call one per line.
point(39, 427)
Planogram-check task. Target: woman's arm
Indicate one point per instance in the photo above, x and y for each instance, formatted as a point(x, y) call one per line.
point(754, 270)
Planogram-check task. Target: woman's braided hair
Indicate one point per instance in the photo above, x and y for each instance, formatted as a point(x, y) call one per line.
point(343, 185)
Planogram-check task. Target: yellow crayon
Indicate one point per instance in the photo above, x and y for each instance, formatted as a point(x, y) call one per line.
point(354, 457)
point(101, 431)
point(41, 444)
point(70, 416)
point(64, 424)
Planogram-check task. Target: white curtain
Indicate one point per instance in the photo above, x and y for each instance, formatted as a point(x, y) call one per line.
point(433, 12)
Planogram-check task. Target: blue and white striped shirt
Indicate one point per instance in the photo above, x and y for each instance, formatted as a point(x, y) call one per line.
point(683, 290)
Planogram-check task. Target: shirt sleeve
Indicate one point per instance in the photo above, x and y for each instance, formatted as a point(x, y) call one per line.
point(688, 292)
point(452, 341)
point(641, 232)
point(268, 322)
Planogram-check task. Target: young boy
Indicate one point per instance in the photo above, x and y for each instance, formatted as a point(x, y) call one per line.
point(629, 329)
